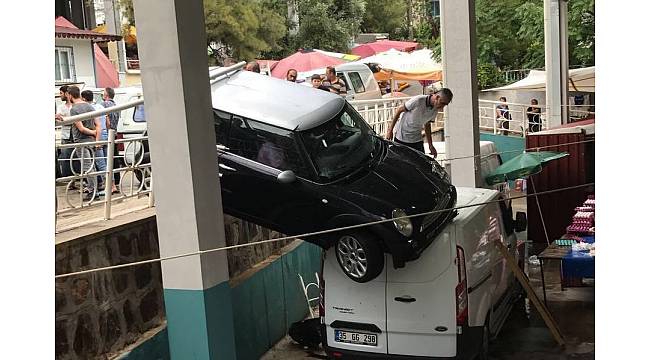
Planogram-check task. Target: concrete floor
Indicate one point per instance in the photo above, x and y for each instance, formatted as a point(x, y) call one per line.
point(524, 335)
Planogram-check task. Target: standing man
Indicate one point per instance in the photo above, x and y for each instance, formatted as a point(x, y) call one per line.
point(112, 119)
point(83, 132)
point(101, 134)
point(534, 116)
point(66, 136)
point(416, 114)
point(503, 116)
point(292, 75)
point(334, 83)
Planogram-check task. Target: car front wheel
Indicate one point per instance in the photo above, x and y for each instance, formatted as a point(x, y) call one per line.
point(360, 256)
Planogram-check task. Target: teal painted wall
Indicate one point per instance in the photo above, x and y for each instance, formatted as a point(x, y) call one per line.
point(156, 348)
point(263, 307)
point(506, 143)
point(266, 304)
point(187, 311)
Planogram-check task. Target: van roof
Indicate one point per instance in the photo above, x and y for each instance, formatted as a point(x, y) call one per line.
point(275, 102)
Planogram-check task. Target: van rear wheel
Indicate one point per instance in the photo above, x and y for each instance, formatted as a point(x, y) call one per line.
point(360, 256)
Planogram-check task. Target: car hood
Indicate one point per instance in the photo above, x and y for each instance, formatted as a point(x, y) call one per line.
point(402, 178)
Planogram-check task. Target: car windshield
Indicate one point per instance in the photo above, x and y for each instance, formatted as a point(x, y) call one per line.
point(341, 145)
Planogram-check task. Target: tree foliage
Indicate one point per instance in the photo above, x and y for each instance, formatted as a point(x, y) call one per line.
point(242, 29)
point(385, 16)
point(328, 24)
point(510, 34)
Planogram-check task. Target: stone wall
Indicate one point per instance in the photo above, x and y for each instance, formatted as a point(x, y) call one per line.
point(241, 232)
point(99, 314)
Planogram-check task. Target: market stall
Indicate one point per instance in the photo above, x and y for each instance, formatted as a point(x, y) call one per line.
point(576, 249)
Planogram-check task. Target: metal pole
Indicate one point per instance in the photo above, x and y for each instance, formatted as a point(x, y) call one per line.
point(494, 112)
point(151, 200)
point(108, 184)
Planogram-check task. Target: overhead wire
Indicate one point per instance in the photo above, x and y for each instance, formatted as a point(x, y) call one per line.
point(315, 233)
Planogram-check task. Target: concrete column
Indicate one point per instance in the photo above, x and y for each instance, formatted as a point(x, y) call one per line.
point(174, 69)
point(557, 61)
point(458, 36)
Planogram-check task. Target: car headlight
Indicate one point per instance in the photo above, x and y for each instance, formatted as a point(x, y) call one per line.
point(403, 225)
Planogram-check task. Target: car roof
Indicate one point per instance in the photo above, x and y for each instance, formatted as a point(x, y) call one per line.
point(275, 102)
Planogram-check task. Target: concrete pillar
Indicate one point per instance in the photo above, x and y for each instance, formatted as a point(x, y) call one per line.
point(174, 69)
point(557, 61)
point(458, 36)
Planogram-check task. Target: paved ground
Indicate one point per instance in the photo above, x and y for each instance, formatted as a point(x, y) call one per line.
point(73, 218)
point(524, 335)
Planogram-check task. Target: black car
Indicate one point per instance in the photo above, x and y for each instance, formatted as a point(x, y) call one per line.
point(298, 160)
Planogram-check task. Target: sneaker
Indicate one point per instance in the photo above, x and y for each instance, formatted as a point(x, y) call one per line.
point(101, 193)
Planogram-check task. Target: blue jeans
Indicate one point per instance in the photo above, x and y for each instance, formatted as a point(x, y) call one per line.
point(100, 163)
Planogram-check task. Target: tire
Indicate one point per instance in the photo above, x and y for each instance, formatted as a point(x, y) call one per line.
point(360, 256)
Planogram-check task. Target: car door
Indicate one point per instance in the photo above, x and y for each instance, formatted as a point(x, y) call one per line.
point(256, 154)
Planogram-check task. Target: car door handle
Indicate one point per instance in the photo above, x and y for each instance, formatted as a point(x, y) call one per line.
point(226, 167)
point(406, 299)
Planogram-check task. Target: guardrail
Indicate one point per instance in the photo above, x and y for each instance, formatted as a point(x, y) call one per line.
point(85, 165)
point(512, 120)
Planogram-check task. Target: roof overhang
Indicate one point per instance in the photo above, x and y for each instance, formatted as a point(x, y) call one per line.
point(62, 32)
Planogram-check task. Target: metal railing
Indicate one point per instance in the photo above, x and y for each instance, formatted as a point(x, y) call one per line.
point(378, 113)
point(125, 159)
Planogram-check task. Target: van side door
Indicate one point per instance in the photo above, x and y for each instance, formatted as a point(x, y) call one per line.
point(421, 301)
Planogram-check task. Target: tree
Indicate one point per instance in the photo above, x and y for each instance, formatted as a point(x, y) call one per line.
point(241, 29)
point(328, 24)
point(510, 35)
point(384, 16)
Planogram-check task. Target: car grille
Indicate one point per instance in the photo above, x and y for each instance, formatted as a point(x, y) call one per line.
point(431, 219)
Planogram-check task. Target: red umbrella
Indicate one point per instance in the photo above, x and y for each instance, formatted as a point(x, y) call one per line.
point(304, 60)
point(369, 49)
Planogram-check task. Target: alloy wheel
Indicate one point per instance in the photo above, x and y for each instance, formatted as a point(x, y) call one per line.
point(352, 256)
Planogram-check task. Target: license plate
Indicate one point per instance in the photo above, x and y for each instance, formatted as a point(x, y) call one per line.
point(351, 337)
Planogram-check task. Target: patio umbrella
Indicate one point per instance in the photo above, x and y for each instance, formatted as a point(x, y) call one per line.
point(365, 50)
point(528, 163)
point(304, 60)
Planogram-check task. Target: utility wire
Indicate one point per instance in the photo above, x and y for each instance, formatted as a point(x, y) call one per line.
point(518, 151)
point(201, 252)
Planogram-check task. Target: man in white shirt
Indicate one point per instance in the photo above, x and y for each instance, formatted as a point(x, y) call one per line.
point(416, 114)
point(63, 110)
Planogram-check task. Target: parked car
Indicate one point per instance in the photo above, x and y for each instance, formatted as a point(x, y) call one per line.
point(299, 161)
point(358, 78)
point(446, 305)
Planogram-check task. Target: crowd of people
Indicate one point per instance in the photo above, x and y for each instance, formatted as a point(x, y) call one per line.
point(84, 159)
point(328, 82)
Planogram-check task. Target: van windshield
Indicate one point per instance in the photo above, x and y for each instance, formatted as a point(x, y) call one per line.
point(341, 145)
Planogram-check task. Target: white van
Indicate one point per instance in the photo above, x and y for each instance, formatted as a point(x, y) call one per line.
point(445, 305)
point(358, 77)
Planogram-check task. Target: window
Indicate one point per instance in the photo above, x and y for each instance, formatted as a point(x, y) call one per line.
point(64, 64)
point(221, 126)
point(357, 83)
point(266, 144)
point(138, 114)
point(435, 8)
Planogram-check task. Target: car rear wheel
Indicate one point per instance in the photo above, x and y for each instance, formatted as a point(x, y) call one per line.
point(360, 256)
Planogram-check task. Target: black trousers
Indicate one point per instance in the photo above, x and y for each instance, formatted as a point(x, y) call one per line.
point(419, 146)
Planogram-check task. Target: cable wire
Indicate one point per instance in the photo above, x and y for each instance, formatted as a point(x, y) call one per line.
point(301, 236)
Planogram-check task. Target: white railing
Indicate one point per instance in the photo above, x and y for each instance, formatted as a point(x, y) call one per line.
point(378, 113)
point(88, 163)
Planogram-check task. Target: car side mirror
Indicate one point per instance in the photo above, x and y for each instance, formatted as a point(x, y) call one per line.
point(521, 222)
point(286, 177)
